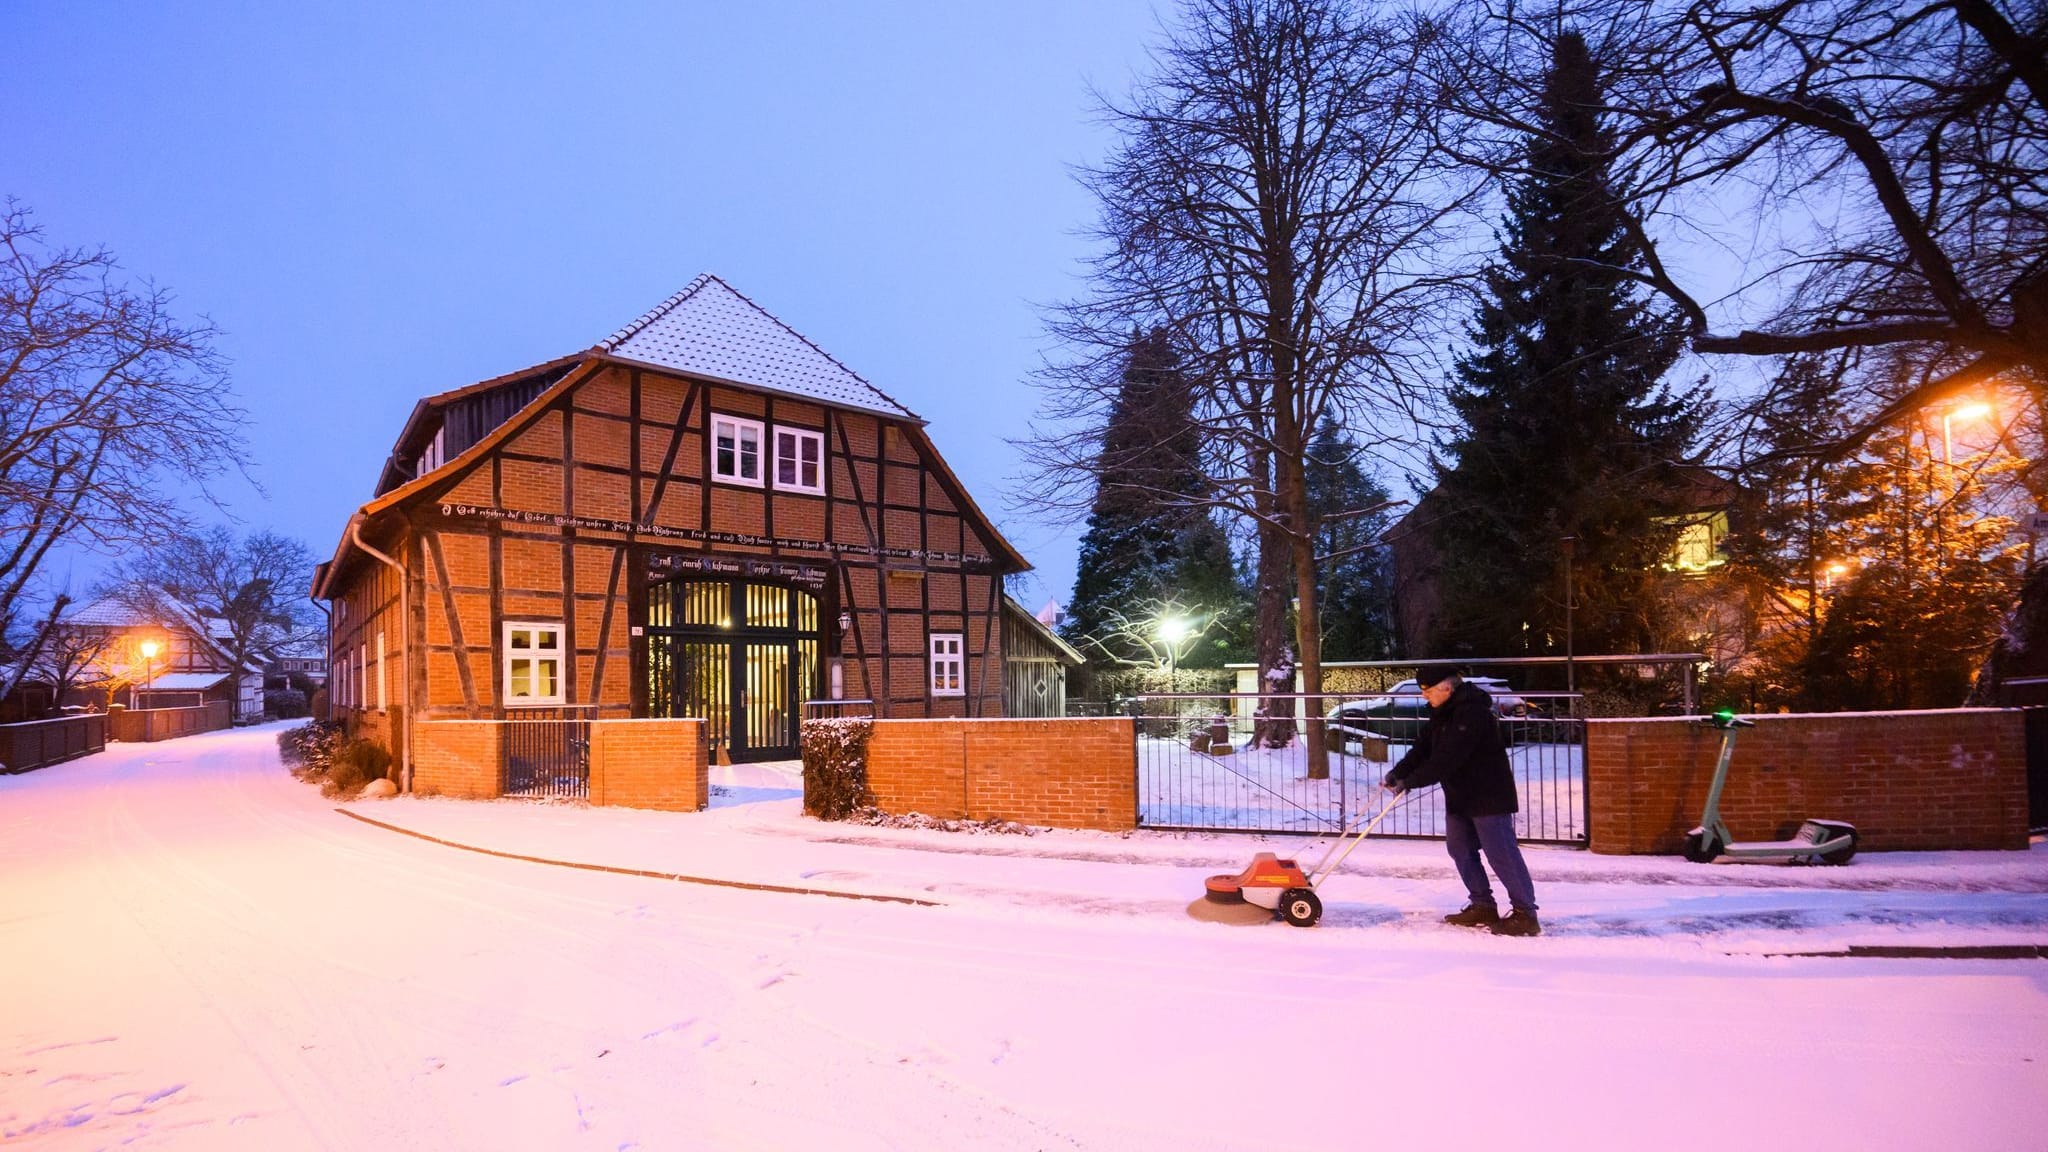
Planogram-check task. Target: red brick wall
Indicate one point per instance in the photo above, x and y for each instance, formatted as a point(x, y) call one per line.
point(1912, 780)
point(1065, 773)
point(457, 758)
point(649, 764)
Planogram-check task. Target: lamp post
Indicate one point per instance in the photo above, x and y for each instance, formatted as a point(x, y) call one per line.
point(149, 650)
point(1172, 631)
point(1974, 410)
point(1571, 681)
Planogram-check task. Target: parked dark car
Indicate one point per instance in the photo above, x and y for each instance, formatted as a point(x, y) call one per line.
point(1400, 715)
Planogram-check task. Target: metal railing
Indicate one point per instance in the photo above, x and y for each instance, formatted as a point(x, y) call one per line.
point(838, 709)
point(547, 757)
point(1208, 763)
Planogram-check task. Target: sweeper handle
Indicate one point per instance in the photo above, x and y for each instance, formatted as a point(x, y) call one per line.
point(1325, 866)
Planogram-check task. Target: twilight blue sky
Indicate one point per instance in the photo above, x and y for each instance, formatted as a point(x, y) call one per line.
point(377, 200)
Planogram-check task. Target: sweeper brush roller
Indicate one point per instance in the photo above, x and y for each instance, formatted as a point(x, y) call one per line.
point(1280, 884)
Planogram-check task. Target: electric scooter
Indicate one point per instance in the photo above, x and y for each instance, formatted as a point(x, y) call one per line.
point(1816, 842)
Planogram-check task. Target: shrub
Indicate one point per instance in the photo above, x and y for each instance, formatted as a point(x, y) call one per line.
point(360, 762)
point(836, 766)
point(311, 747)
point(284, 703)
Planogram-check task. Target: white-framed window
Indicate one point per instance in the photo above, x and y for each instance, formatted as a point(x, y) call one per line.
point(362, 676)
point(799, 460)
point(947, 676)
point(736, 451)
point(533, 664)
point(383, 700)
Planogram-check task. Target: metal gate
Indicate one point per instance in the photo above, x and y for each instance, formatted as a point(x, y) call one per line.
point(741, 655)
point(547, 757)
point(1199, 768)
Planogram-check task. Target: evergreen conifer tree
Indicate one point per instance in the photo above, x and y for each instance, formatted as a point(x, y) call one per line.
point(1355, 582)
point(1149, 539)
point(1567, 432)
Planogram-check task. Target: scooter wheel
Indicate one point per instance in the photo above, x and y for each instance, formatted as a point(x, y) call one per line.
point(1301, 907)
point(1701, 848)
point(1842, 857)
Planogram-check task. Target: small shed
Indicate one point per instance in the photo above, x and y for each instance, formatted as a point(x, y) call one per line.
point(1035, 663)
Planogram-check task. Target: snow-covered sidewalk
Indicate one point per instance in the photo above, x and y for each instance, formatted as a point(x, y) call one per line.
point(755, 833)
point(198, 952)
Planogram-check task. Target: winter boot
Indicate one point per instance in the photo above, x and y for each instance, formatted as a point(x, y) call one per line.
point(1475, 915)
point(1518, 923)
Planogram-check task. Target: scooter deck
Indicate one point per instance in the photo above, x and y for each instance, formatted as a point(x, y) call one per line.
point(1794, 847)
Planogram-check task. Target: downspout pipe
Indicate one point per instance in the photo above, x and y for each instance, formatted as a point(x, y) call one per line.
point(355, 533)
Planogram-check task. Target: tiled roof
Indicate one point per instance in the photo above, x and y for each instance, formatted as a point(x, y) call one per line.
point(708, 329)
point(108, 612)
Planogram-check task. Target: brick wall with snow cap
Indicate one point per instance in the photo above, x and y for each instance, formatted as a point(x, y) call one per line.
point(1927, 781)
point(1073, 773)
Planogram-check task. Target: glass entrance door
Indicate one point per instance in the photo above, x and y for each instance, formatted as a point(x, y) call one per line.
point(742, 655)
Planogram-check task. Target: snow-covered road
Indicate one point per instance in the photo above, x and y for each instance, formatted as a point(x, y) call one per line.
point(198, 952)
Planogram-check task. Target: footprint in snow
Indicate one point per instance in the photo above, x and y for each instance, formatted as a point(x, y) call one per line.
point(667, 1029)
point(509, 1081)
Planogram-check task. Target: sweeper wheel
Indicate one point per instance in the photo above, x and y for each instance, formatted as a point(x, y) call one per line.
point(1702, 847)
point(1301, 907)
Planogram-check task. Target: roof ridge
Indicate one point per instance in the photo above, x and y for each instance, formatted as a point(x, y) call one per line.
point(808, 342)
point(612, 341)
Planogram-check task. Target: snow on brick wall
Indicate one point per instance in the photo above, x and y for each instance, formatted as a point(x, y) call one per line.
point(1063, 773)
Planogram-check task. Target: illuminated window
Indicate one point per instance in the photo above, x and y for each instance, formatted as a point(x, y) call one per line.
point(799, 460)
point(947, 679)
point(1698, 548)
point(533, 664)
point(736, 451)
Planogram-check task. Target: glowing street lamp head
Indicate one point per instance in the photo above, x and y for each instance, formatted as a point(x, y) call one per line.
point(150, 648)
point(1173, 629)
point(1837, 568)
point(1974, 410)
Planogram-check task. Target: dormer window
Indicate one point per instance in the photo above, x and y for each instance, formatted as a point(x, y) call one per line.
point(434, 454)
point(736, 451)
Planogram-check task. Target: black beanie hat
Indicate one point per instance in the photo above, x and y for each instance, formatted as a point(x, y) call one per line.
point(1430, 675)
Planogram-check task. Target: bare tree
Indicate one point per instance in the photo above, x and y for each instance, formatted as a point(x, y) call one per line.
point(1880, 172)
point(107, 404)
point(1276, 207)
point(1820, 176)
point(253, 584)
point(81, 656)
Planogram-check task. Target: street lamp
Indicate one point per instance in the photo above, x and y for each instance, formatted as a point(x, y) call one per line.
point(1974, 410)
point(1833, 570)
point(149, 650)
point(1172, 631)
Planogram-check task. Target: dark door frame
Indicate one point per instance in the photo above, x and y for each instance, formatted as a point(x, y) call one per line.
point(738, 636)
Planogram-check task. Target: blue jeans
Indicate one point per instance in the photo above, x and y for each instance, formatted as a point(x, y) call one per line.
point(1464, 836)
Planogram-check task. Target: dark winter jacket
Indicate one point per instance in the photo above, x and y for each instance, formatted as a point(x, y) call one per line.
point(1461, 749)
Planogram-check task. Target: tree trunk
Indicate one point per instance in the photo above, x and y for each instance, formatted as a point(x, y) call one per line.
point(1293, 501)
point(1274, 726)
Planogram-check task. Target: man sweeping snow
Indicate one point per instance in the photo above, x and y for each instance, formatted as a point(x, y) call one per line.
point(1461, 749)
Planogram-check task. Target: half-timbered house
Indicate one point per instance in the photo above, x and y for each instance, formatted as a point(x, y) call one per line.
point(704, 515)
